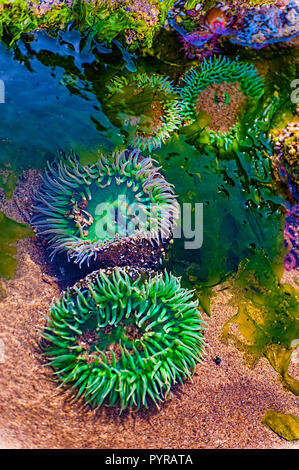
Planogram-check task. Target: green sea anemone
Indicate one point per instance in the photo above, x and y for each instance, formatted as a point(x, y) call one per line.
point(122, 336)
point(119, 211)
point(217, 96)
point(149, 104)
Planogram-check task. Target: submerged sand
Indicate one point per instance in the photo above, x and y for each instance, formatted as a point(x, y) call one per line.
point(221, 408)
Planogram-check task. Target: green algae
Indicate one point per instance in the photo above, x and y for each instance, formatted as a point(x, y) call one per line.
point(285, 425)
point(97, 20)
point(10, 232)
point(280, 359)
point(15, 20)
point(267, 317)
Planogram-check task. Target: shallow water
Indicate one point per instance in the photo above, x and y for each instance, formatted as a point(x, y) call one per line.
point(55, 98)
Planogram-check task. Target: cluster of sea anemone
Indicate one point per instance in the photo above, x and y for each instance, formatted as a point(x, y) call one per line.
point(217, 94)
point(123, 335)
point(123, 338)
